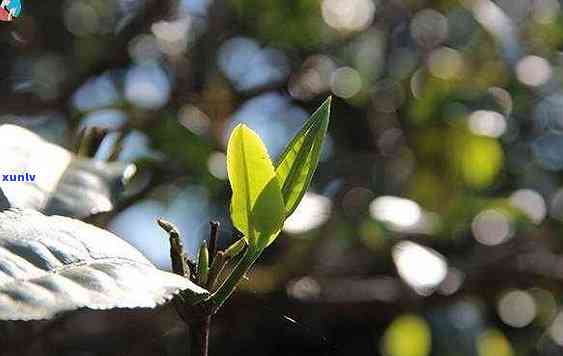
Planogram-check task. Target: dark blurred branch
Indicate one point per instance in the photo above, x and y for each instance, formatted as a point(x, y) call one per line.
point(116, 56)
point(199, 337)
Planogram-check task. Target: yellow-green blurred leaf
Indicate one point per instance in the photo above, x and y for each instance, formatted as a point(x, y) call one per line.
point(408, 335)
point(478, 160)
point(493, 343)
point(482, 160)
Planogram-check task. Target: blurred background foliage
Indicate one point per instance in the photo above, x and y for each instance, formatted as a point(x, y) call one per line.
point(433, 226)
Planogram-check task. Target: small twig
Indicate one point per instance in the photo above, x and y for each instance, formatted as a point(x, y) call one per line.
point(89, 141)
point(192, 267)
point(177, 254)
point(199, 329)
point(213, 238)
point(231, 255)
point(117, 147)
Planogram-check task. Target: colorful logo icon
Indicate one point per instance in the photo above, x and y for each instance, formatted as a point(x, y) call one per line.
point(10, 9)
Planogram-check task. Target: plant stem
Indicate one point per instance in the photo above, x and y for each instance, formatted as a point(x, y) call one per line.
point(199, 336)
point(230, 284)
point(213, 239)
point(177, 255)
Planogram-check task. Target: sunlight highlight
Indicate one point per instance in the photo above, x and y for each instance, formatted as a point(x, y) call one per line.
point(420, 267)
point(517, 308)
point(400, 212)
point(530, 203)
point(533, 71)
point(313, 211)
point(487, 123)
point(491, 227)
point(350, 15)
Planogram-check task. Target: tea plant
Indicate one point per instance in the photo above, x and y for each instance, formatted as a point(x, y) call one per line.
point(263, 196)
point(53, 264)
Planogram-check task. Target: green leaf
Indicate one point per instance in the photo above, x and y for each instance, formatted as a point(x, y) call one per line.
point(298, 162)
point(257, 208)
point(66, 184)
point(53, 264)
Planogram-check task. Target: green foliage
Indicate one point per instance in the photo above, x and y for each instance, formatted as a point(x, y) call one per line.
point(300, 20)
point(257, 208)
point(98, 250)
point(410, 81)
point(264, 197)
point(187, 148)
point(298, 162)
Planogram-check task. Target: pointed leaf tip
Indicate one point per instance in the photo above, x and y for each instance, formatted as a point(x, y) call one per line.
point(300, 159)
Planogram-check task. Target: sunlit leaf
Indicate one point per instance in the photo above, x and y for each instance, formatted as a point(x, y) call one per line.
point(257, 208)
point(298, 162)
point(50, 265)
point(52, 180)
